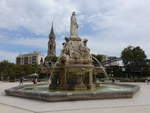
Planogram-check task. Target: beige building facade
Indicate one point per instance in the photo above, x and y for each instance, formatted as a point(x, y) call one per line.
point(30, 58)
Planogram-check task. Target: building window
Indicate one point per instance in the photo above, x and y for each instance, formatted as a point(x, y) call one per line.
point(18, 60)
point(26, 60)
point(34, 59)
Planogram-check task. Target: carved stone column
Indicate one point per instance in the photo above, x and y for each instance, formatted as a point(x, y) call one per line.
point(65, 79)
point(91, 85)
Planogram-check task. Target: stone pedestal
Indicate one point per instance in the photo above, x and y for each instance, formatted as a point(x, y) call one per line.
point(75, 77)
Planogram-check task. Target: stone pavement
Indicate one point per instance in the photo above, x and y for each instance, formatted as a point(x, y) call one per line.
point(140, 103)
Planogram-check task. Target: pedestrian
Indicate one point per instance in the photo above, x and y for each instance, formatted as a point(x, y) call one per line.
point(21, 81)
point(34, 80)
point(113, 80)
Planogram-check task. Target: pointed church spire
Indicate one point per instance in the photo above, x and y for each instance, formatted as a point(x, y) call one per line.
point(52, 43)
point(52, 34)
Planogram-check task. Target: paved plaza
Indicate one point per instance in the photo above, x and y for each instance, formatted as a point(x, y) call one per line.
point(140, 103)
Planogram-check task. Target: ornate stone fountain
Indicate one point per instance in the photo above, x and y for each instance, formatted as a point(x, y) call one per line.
point(74, 69)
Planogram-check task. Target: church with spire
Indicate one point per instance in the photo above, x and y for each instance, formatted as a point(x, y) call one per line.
point(52, 43)
point(51, 53)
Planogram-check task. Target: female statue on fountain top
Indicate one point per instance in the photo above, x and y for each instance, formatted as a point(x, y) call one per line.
point(74, 26)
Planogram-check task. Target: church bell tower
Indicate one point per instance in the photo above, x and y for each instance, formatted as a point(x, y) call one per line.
point(51, 53)
point(51, 43)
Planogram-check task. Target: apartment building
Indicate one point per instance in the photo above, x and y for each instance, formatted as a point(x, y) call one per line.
point(30, 58)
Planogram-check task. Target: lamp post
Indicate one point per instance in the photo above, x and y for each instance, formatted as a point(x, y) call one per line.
point(112, 73)
point(123, 70)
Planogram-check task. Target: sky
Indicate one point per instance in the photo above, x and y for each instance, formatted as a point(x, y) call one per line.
point(109, 25)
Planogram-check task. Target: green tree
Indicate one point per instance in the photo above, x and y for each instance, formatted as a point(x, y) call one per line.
point(54, 58)
point(12, 70)
point(6, 68)
point(116, 71)
point(146, 72)
point(134, 60)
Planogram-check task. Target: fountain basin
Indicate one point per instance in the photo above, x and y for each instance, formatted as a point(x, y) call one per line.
point(105, 91)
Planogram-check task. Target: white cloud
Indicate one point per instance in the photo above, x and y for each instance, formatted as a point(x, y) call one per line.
point(115, 23)
point(7, 55)
point(36, 15)
point(126, 23)
point(31, 42)
point(34, 43)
